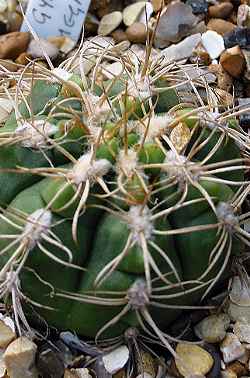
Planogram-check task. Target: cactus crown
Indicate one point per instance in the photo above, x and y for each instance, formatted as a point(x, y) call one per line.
point(160, 175)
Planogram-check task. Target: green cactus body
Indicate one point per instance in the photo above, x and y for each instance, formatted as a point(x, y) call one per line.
point(109, 217)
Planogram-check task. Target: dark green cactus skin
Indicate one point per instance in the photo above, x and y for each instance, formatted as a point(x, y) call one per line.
point(102, 236)
point(98, 244)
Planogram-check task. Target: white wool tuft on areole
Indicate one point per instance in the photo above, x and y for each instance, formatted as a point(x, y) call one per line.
point(140, 87)
point(87, 169)
point(38, 223)
point(174, 163)
point(225, 214)
point(155, 127)
point(139, 222)
point(209, 119)
point(35, 134)
point(62, 73)
point(101, 112)
point(127, 162)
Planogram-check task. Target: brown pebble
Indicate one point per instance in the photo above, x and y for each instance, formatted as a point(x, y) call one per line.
point(119, 35)
point(23, 59)
point(13, 44)
point(157, 5)
point(238, 368)
point(222, 10)
point(233, 61)
point(220, 26)
point(137, 33)
point(6, 335)
point(15, 21)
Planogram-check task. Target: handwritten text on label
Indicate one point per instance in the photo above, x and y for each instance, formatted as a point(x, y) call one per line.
point(56, 17)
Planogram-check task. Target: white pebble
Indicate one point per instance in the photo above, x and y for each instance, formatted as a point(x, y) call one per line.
point(213, 43)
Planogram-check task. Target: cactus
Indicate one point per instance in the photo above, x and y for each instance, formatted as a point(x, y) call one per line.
point(121, 204)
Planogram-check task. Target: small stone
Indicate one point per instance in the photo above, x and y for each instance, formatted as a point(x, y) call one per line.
point(213, 43)
point(213, 328)
point(239, 313)
point(231, 348)
point(6, 333)
point(99, 368)
point(238, 368)
point(233, 61)
point(137, 33)
point(146, 14)
point(193, 360)
point(239, 291)
point(238, 36)
point(183, 49)
point(132, 12)
point(15, 21)
point(8, 105)
point(77, 373)
point(244, 359)
point(220, 10)
point(242, 331)
point(38, 49)
point(157, 5)
point(109, 23)
point(116, 360)
point(220, 26)
point(13, 44)
point(119, 35)
point(201, 27)
point(19, 358)
point(243, 15)
point(174, 24)
point(228, 374)
point(23, 59)
point(198, 6)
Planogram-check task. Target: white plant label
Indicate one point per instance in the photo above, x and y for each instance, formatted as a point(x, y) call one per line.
point(56, 17)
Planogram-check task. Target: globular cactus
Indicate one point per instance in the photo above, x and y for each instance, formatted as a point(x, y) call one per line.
point(121, 204)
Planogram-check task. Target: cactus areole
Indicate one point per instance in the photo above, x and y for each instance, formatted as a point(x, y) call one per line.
point(121, 204)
